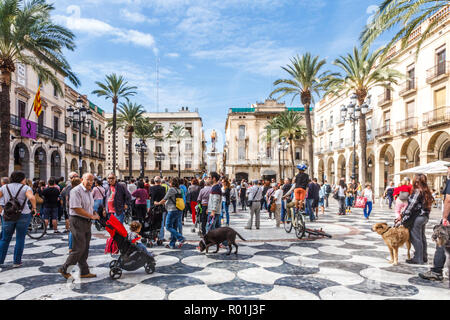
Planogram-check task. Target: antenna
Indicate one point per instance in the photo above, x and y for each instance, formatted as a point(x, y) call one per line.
point(157, 84)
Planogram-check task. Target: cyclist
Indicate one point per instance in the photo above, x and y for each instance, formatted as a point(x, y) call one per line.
point(300, 186)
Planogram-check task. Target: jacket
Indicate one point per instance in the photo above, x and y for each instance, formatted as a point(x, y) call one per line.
point(414, 209)
point(122, 197)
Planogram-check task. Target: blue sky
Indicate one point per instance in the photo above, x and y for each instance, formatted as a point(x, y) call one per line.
point(214, 54)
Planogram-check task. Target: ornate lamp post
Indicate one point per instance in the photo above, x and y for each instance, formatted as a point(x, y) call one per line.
point(79, 117)
point(353, 113)
point(141, 148)
point(283, 146)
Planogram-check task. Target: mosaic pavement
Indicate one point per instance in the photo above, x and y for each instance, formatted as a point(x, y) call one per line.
point(271, 265)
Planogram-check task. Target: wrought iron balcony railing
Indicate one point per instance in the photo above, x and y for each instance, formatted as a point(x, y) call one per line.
point(438, 72)
point(407, 125)
point(383, 131)
point(438, 116)
point(408, 87)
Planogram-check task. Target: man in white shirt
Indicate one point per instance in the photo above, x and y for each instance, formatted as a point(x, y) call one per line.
point(254, 197)
point(278, 196)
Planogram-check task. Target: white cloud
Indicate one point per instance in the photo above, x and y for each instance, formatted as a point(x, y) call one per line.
point(97, 28)
point(137, 17)
point(173, 55)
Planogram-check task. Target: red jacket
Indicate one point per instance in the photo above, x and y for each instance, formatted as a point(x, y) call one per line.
point(405, 188)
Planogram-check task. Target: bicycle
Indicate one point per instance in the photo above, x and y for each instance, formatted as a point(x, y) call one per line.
point(298, 222)
point(128, 218)
point(37, 228)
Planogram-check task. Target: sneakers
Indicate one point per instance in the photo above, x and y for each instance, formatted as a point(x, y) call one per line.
point(17, 265)
point(182, 242)
point(430, 275)
point(412, 261)
point(64, 273)
point(248, 228)
point(56, 232)
point(88, 276)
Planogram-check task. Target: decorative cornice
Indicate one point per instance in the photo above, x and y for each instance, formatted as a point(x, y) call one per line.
point(23, 92)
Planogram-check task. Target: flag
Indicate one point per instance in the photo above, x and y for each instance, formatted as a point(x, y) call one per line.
point(37, 104)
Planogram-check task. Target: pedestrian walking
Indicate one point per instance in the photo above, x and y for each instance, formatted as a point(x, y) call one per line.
point(193, 192)
point(326, 191)
point(370, 197)
point(16, 189)
point(99, 195)
point(174, 214)
point(254, 201)
point(51, 197)
point(233, 196)
point(203, 199)
point(226, 191)
point(118, 198)
point(141, 197)
point(436, 272)
point(243, 194)
point(214, 203)
point(340, 191)
point(415, 217)
point(389, 193)
point(81, 216)
point(277, 198)
point(157, 193)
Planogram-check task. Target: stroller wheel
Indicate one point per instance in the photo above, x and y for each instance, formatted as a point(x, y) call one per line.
point(149, 268)
point(113, 264)
point(149, 244)
point(115, 273)
point(144, 241)
point(159, 242)
point(193, 230)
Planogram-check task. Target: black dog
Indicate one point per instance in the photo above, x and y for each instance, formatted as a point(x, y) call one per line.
point(217, 236)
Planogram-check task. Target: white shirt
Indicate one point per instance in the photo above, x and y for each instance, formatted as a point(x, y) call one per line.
point(368, 193)
point(132, 188)
point(278, 196)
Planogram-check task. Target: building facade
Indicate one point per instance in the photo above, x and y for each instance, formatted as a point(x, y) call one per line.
point(162, 154)
point(407, 125)
point(250, 151)
point(92, 138)
point(44, 157)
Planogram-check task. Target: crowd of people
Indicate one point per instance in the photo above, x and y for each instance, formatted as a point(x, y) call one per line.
point(206, 201)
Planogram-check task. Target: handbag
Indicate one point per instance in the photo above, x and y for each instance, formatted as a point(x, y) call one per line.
point(273, 207)
point(361, 202)
point(39, 200)
point(335, 196)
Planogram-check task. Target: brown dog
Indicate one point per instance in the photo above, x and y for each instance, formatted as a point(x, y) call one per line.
point(394, 239)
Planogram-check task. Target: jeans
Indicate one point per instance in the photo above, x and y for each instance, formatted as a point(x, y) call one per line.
point(349, 201)
point(212, 224)
point(418, 239)
point(172, 220)
point(233, 202)
point(439, 260)
point(341, 205)
point(163, 224)
point(50, 214)
point(70, 241)
point(97, 204)
point(283, 210)
point(391, 199)
point(243, 202)
point(180, 222)
point(225, 208)
point(326, 200)
point(368, 206)
point(204, 218)
point(263, 203)
point(309, 209)
point(8, 229)
point(120, 217)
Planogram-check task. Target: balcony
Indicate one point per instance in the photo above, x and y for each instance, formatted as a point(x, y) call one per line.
point(59, 136)
point(340, 145)
point(385, 99)
point(93, 134)
point(370, 136)
point(330, 126)
point(86, 152)
point(383, 132)
point(320, 130)
point(102, 156)
point(408, 87)
point(85, 129)
point(15, 121)
point(437, 117)
point(407, 126)
point(45, 131)
point(101, 136)
point(67, 122)
point(438, 72)
point(94, 154)
point(348, 142)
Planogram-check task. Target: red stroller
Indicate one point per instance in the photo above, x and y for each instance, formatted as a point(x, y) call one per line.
point(131, 256)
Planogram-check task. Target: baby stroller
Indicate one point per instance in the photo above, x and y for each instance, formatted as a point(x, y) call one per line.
point(131, 256)
point(152, 226)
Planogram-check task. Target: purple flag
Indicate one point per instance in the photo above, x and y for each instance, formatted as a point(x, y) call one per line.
point(28, 129)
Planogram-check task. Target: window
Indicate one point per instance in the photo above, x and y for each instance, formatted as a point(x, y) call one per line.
point(387, 120)
point(55, 92)
point(241, 153)
point(188, 146)
point(242, 132)
point(22, 109)
point(411, 73)
point(74, 139)
point(440, 59)
point(298, 153)
point(41, 120)
point(189, 128)
point(331, 120)
point(369, 128)
point(439, 98)
point(410, 109)
point(158, 149)
point(188, 164)
point(92, 146)
point(56, 124)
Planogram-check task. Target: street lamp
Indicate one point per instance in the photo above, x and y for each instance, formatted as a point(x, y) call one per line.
point(353, 113)
point(141, 148)
point(79, 117)
point(283, 146)
point(160, 157)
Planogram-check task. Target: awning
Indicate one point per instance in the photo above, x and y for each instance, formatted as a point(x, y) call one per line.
point(436, 168)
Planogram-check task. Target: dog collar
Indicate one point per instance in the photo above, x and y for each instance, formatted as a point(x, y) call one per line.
point(386, 230)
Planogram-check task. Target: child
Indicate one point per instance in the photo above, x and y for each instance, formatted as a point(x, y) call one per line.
point(401, 195)
point(134, 237)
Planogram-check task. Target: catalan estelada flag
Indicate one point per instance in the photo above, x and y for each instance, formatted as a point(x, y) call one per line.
point(37, 105)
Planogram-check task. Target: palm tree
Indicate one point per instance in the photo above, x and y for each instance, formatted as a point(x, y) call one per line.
point(362, 71)
point(114, 88)
point(306, 80)
point(269, 136)
point(130, 114)
point(288, 123)
point(178, 133)
point(145, 130)
point(404, 13)
point(29, 37)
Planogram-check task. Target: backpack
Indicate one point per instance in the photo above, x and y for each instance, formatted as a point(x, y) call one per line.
point(12, 209)
point(179, 202)
point(328, 189)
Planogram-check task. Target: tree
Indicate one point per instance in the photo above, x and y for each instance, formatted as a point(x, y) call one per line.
point(130, 114)
point(178, 133)
point(114, 88)
point(306, 80)
point(271, 127)
point(362, 71)
point(409, 14)
point(146, 130)
point(288, 124)
point(29, 37)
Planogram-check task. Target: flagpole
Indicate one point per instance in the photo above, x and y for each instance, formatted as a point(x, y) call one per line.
point(32, 106)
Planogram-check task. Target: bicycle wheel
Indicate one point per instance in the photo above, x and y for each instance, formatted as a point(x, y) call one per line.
point(287, 223)
point(319, 233)
point(299, 226)
point(37, 228)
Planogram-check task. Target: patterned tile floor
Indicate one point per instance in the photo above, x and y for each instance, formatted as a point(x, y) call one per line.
point(271, 265)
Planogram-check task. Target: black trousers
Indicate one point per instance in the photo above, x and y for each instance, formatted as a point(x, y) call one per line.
point(141, 212)
point(204, 218)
